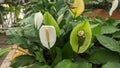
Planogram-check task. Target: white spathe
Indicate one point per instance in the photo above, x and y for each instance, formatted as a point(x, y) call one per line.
point(38, 19)
point(47, 36)
point(60, 18)
point(114, 6)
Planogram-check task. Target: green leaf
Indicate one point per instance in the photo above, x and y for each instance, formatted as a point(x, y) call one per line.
point(58, 57)
point(116, 35)
point(110, 21)
point(109, 29)
point(62, 23)
point(102, 56)
point(28, 20)
point(4, 51)
point(94, 25)
point(15, 36)
point(66, 64)
point(96, 30)
point(85, 65)
point(39, 57)
point(38, 54)
point(49, 20)
point(82, 63)
point(45, 66)
point(117, 22)
point(23, 60)
point(36, 65)
point(111, 65)
point(109, 43)
point(74, 38)
point(67, 28)
point(39, 65)
point(60, 6)
point(31, 33)
point(67, 51)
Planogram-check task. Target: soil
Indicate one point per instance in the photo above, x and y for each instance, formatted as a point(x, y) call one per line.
point(104, 14)
point(3, 45)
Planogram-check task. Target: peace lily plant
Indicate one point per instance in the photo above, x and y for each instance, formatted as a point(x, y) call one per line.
point(60, 37)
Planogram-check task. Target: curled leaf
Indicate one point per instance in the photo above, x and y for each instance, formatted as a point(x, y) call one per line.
point(80, 37)
point(19, 51)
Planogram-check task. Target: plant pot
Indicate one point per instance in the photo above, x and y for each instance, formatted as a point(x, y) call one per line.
point(104, 14)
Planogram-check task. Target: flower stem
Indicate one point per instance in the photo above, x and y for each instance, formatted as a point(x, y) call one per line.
point(50, 51)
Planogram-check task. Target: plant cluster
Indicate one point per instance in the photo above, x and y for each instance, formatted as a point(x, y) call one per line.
point(58, 37)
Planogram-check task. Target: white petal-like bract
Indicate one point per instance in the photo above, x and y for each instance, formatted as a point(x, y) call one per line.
point(47, 36)
point(60, 18)
point(114, 6)
point(38, 19)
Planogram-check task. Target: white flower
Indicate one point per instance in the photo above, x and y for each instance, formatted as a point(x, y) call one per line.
point(114, 6)
point(60, 18)
point(47, 36)
point(49, 0)
point(38, 18)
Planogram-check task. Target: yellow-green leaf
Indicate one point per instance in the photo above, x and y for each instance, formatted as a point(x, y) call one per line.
point(49, 20)
point(85, 42)
point(78, 8)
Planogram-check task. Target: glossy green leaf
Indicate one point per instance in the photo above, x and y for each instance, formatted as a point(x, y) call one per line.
point(67, 51)
point(109, 43)
point(35, 65)
point(108, 29)
point(58, 57)
point(96, 30)
point(49, 20)
point(66, 64)
point(102, 56)
point(111, 65)
point(85, 65)
point(74, 38)
point(116, 23)
point(39, 65)
point(82, 63)
point(116, 35)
